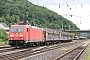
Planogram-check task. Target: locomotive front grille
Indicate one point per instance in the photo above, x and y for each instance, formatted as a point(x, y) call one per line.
point(16, 42)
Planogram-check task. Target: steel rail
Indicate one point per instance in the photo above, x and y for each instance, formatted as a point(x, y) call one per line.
point(57, 58)
point(76, 58)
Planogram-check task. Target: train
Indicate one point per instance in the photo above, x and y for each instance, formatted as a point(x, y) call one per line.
point(79, 38)
point(27, 35)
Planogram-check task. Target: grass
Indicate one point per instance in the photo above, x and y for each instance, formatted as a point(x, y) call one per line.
point(1, 42)
point(88, 57)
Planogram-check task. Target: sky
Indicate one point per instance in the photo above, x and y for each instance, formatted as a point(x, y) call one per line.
point(79, 9)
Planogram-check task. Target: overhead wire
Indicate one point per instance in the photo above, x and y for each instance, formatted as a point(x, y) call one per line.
point(70, 7)
point(33, 1)
point(59, 4)
point(65, 2)
point(78, 11)
point(52, 4)
point(37, 2)
point(80, 3)
point(76, 7)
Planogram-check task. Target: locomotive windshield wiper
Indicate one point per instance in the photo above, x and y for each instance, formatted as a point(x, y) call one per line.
point(16, 30)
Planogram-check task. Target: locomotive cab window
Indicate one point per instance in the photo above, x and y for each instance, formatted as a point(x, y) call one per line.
point(17, 29)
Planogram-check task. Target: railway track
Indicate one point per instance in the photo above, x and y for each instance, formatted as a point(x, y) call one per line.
point(4, 46)
point(7, 48)
point(30, 52)
point(73, 54)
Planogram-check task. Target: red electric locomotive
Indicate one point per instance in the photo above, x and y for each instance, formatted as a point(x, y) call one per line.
point(21, 35)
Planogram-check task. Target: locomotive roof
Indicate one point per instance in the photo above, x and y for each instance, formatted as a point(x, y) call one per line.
point(35, 27)
point(29, 26)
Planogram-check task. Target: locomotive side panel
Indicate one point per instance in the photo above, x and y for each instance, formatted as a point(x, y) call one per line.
point(36, 35)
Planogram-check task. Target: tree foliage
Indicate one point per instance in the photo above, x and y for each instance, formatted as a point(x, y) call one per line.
point(3, 35)
point(12, 11)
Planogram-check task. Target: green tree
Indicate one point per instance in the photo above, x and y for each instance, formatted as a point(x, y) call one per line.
point(3, 35)
point(1, 7)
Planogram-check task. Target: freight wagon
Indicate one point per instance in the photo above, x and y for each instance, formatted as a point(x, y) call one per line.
point(26, 35)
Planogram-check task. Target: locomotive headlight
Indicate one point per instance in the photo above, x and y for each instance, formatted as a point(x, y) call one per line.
point(21, 35)
point(11, 38)
point(11, 35)
point(21, 38)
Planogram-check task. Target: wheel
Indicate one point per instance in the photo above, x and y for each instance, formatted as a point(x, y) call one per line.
point(25, 46)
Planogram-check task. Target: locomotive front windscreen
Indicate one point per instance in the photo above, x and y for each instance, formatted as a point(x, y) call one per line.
point(17, 29)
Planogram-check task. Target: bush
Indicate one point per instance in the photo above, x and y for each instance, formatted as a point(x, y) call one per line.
point(3, 35)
